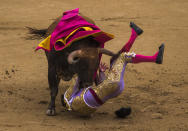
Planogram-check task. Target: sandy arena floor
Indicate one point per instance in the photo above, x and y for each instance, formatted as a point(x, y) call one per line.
point(158, 94)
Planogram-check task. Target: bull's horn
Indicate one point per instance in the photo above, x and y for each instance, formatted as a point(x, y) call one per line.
point(106, 52)
point(74, 57)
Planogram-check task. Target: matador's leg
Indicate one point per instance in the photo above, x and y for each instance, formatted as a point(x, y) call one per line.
point(157, 57)
point(136, 31)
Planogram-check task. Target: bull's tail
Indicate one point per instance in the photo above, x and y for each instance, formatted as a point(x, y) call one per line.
point(37, 33)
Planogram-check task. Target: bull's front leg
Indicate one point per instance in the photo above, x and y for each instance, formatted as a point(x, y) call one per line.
point(53, 81)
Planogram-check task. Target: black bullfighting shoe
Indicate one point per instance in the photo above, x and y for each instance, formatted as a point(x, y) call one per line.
point(123, 112)
point(137, 29)
point(159, 59)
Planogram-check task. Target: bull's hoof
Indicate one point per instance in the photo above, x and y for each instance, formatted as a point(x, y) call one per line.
point(50, 112)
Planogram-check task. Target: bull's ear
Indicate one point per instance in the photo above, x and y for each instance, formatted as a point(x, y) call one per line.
point(74, 57)
point(106, 52)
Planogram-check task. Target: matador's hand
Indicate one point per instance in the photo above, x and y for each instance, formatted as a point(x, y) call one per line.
point(103, 67)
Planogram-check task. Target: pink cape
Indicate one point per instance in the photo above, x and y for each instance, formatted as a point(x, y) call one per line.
point(71, 21)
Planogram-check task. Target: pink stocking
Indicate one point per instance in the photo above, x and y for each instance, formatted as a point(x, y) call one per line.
point(141, 58)
point(129, 44)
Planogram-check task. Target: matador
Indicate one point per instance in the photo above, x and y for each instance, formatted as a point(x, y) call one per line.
point(86, 101)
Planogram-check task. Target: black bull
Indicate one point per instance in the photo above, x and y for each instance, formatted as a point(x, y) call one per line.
point(81, 58)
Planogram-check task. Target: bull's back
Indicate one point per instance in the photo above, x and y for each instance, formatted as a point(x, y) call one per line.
point(57, 20)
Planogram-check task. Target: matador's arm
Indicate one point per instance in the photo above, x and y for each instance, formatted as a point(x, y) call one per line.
point(101, 76)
